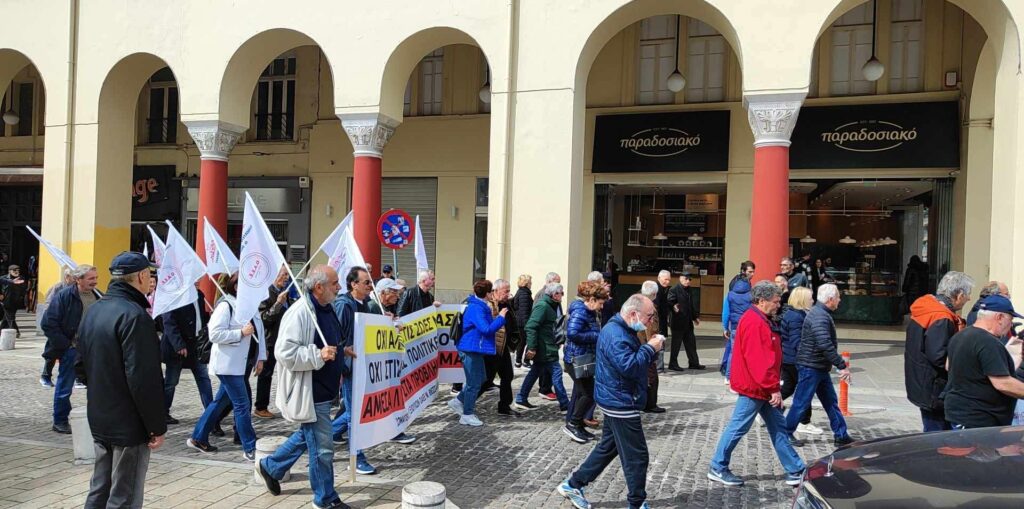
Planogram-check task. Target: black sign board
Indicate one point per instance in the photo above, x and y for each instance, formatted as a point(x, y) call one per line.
point(686, 223)
point(662, 142)
point(155, 194)
point(906, 135)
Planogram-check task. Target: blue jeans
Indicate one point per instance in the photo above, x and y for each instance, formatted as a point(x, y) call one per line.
point(935, 420)
point(555, 370)
point(342, 420)
point(739, 425)
point(231, 393)
point(623, 438)
point(62, 389)
point(314, 437)
point(725, 368)
point(172, 374)
point(473, 365)
point(816, 381)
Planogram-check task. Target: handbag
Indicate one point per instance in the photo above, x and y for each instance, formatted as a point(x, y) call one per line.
point(584, 365)
point(203, 346)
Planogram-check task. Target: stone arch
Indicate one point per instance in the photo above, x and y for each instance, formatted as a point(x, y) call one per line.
point(407, 54)
point(12, 62)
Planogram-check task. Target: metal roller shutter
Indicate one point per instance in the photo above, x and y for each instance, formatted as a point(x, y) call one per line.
point(416, 196)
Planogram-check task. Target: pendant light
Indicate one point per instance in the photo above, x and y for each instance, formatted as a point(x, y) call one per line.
point(873, 68)
point(807, 239)
point(695, 237)
point(847, 240)
point(676, 82)
point(485, 91)
point(11, 118)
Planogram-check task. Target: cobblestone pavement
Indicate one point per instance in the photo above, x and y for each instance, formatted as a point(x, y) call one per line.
point(506, 463)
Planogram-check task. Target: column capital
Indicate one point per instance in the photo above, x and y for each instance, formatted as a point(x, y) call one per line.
point(214, 138)
point(773, 116)
point(368, 132)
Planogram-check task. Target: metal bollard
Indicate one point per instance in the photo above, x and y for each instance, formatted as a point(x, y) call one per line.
point(423, 495)
point(266, 447)
point(81, 437)
point(7, 339)
point(844, 390)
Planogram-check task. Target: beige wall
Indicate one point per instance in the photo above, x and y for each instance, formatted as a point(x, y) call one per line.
point(549, 62)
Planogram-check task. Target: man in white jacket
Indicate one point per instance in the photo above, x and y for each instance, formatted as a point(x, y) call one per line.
point(309, 377)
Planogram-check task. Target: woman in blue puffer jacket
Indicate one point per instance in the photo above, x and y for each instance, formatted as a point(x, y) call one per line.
point(792, 324)
point(478, 329)
point(582, 330)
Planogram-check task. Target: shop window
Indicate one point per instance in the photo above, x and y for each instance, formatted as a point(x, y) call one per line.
point(432, 83)
point(851, 49)
point(275, 101)
point(906, 53)
point(705, 63)
point(657, 59)
point(162, 122)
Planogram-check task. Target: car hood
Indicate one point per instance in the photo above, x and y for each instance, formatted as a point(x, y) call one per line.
point(967, 468)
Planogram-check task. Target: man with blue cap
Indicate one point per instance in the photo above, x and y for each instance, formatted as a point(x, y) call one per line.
point(982, 390)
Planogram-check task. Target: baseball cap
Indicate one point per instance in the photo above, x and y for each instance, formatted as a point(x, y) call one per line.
point(129, 262)
point(999, 304)
point(387, 268)
point(387, 284)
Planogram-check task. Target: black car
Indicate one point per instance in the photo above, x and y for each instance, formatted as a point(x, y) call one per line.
point(976, 468)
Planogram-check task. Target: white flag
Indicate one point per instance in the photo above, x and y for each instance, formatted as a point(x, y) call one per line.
point(57, 254)
point(345, 253)
point(158, 246)
point(177, 275)
point(145, 249)
point(421, 250)
point(219, 258)
point(261, 260)
point(330, 244)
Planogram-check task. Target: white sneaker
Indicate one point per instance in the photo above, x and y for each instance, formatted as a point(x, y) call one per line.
point(760, 421)
point(455, 405)
point(470, 420)
point(809, 429)
point(726, 382)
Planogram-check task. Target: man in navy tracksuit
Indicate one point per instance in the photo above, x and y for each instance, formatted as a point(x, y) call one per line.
point(620, 389)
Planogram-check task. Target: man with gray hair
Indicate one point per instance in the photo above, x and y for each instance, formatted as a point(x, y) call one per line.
point(544, 387)
point(817, 353)
point(934, 319)
point(596, 277)
point(650, 290)
point(990, 288)
point(420, 296)
point(542, 349)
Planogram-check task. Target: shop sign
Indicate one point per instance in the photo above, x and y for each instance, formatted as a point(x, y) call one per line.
point(662, 142)
point(269, 200)
point(701, 203)
point(907, 135)
point(155, 193)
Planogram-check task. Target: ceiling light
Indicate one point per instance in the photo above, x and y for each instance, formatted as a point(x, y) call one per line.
point(807, 239)
point(676, 82)
point(11, 118)
point(847, 240)
point(660, 236)
point(695, 236)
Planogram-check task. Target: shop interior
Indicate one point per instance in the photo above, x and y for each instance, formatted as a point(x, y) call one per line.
point(862, 233)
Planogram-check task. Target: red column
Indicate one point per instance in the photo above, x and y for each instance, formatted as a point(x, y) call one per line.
point(366, 206)
point(213, 206)
point(769, 219)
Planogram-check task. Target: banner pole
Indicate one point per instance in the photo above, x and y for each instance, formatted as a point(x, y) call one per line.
point(309, 309)
point(352, 462)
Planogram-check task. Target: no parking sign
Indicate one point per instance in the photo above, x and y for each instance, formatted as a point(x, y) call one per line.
point(394, 229)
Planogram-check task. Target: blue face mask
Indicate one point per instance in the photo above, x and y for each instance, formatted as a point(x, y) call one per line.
point(638, 326)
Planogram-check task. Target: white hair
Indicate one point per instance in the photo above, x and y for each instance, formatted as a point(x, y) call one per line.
point(81, 271)
point(317, 275)
point(649, 289)
point(985, 314)
point(551, 277)
point(954, 284)
point(423, 275)
point(664, 273)
point(499, 283)
point(634, 303)
point(595, 276)
point(827, 292)
point(553, 288)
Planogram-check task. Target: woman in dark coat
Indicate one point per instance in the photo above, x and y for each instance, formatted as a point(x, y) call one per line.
point(915, 281)
point(522, 302)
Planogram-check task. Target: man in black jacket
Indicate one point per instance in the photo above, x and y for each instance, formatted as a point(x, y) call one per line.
point(684, 317)
point(271, 311)
point(120, 361)
point(664, 311)
point(179, 349)
point(419, 296)
point(12, 297)
point(60, 324)
point(817, 354)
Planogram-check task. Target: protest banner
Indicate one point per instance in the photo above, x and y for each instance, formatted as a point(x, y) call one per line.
point(448, 353)
point(394, 375)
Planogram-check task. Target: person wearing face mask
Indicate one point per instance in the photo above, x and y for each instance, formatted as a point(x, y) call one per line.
point(982, 390)
point(756, 374)
point(620, 389)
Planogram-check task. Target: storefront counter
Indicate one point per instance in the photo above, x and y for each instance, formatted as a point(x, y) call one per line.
point(869, 309)
point(706, 290)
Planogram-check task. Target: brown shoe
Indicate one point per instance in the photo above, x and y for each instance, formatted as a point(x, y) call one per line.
point(264, 414)
point(592, 423)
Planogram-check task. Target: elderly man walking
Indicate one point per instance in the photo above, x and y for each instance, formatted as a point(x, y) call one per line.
point(817, 353)
point(61, 324)
point(120, 361)
point(308, 379)
point(619, 389)
point(982, 390)
point(756, 370)
point(933, 321)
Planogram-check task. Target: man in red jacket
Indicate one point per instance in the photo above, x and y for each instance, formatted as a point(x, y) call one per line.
point(756, 365)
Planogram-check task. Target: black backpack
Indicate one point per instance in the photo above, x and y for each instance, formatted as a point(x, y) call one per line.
point(455, 332)
point(562, 329)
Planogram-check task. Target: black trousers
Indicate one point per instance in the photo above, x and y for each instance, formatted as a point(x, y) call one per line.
point(652, 386)
point(790, 375)
point(8, 320)
point(682, 335)
point(502, 366)
point(48, 368)
point(582, 396)
point(263, 380)
point(520, 350)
